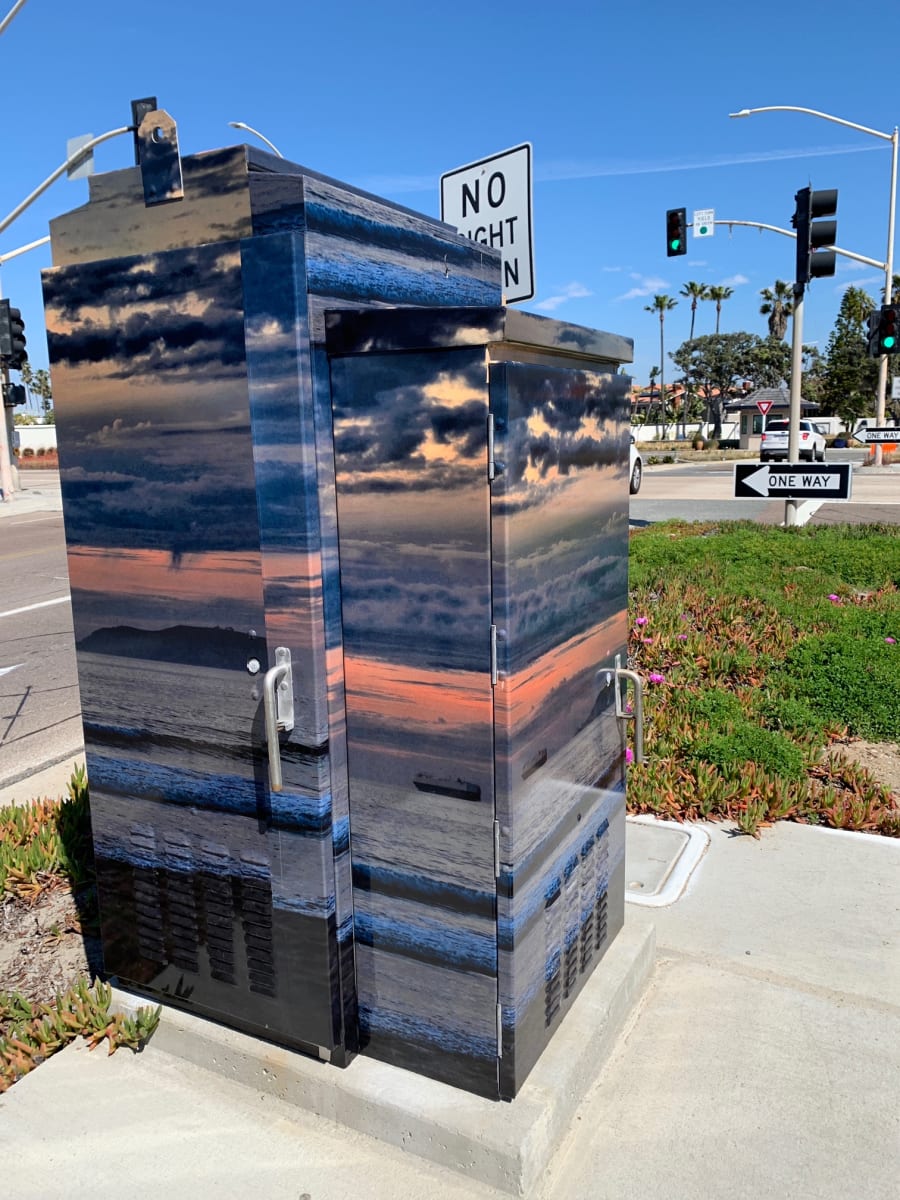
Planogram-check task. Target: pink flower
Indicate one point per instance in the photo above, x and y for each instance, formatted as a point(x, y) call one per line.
point(682, 637)
point(834, 599)
point(629, 755)
point(642, 620)
point(685, 616)
point(891, 641)
point(655, 677)
point(648, 641)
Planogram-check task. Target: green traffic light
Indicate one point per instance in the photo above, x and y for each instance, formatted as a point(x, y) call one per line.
point(675, 243)
point(888, 342)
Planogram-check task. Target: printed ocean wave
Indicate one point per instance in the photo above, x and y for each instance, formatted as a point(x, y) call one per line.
point(429, 942)
point(403, 885)
point(409, 1029)
point(222, 793)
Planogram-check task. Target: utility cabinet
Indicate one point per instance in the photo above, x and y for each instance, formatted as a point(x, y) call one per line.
point(481, 465)
point(347, 545)
point(186, 342)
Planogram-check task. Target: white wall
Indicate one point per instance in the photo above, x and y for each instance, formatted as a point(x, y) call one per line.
point(35, 437)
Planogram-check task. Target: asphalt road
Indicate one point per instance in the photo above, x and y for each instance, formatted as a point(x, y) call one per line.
point(40, 713)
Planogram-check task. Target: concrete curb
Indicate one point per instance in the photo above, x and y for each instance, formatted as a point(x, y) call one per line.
point(506, 1146)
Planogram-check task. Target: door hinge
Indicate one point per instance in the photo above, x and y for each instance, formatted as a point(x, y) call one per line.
point(496, 849)
point(499, 1030)
point(490, 431)
point(494, 673)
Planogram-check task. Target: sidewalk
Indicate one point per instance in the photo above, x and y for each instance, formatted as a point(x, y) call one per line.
point(763, 1061)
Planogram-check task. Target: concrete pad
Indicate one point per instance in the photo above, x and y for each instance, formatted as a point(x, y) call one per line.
point(151, 1125)
point(52, 780)
point(801, 903)
point(505, 1146)
point(660, 858)
point(731, 1086)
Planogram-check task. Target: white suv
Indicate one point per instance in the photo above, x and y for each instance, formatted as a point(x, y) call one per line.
point(774, 445)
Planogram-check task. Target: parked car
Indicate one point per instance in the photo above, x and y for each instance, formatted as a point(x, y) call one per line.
point(635, 467)
point(774, 444)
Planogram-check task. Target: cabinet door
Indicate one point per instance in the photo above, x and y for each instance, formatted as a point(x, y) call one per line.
point(203, 893)
point(559, 506)
point(413, 520)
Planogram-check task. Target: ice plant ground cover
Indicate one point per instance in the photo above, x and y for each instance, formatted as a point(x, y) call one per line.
point(764, 650)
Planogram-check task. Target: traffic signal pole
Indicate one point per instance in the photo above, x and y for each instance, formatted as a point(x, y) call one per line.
point(792, 507)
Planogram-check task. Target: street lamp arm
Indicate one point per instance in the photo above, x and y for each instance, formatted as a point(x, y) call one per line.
point(76, 158)
point(23, 250)
point(256, 133)
point(870, 262)
point(9, 16)
point(746, 112)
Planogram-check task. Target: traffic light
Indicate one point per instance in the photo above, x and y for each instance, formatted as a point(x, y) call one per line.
point(812, 234)
point(872, 341)
point(676, 231)
point(12, 336)
point(13, 394)
point(884, 331)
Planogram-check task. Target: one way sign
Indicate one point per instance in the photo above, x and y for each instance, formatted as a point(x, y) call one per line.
point(793, 481)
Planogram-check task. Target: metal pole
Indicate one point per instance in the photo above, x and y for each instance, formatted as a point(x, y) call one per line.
point(791, 507)
point(9, 16)
point(256, 133)
point(70, 162)
point(6, 479)
point(888, 293)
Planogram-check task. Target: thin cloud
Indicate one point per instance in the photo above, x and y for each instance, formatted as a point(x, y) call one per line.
point(552, 172)
point(646, 286)
point(572, 291)
point(560, 172)
point(876, 281)
point(734, 281)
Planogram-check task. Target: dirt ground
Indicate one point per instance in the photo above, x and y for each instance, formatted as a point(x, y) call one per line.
point(881, 759)
point(43, 949)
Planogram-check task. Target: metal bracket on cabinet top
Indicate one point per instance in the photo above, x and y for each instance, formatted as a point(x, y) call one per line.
point(160, 161)
point(278, 702)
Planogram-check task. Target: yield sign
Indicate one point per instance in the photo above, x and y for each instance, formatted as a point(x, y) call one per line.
point(764, 406)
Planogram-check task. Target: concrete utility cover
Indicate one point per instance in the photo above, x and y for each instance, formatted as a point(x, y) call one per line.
point(660, 857)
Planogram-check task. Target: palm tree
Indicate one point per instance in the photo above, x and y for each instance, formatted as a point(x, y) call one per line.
point(661, 305)
point(718, 294)
point(694, 291)
point(779, 305)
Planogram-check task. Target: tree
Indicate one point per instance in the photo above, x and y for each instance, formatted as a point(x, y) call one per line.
point(850, 376)
point(661, 305)
point(694, 291)
point(779, 304)
point(718, 363)
point(40, 385)
point(718, 294)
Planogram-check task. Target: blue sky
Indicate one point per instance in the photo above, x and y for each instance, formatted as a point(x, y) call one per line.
point(626, 110)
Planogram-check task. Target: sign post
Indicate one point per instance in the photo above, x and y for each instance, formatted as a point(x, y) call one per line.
point(793, 481)
point(489, 201)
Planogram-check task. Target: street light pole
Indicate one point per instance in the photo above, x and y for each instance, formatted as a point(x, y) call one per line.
point(889, 258)
point(256, 133)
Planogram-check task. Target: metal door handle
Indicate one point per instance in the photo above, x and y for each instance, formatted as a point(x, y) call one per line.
point(278, 702)
point(638, 715)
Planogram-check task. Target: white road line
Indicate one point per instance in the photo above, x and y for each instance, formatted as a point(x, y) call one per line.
point(14, 612)
point(6, 670)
